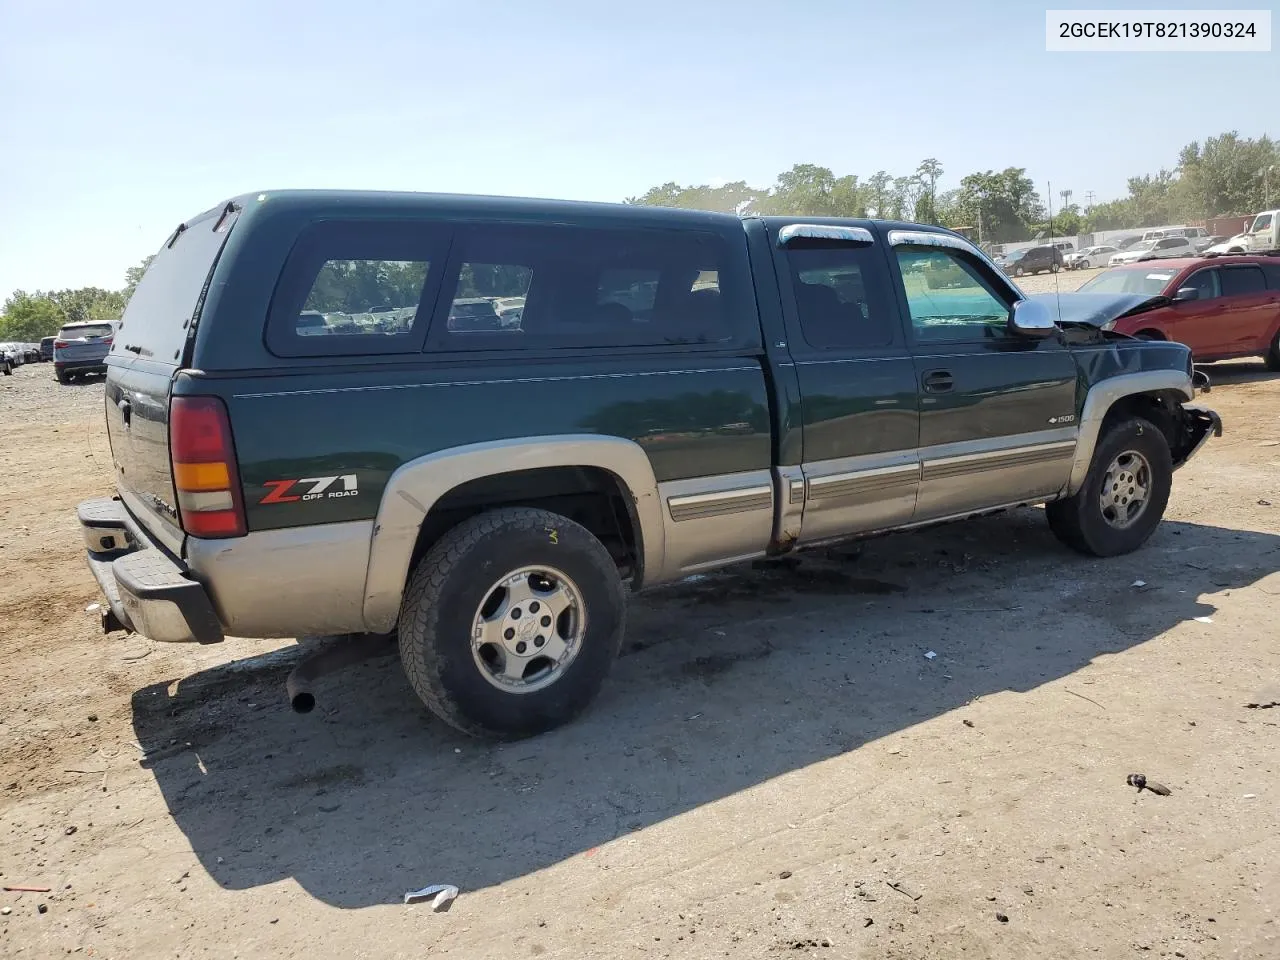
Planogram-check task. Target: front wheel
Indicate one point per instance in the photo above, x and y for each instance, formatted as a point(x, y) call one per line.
point(63, 376)
point(1124, 494)
point(511, 622)
point(1018, 271)
point(1273, 355)
point(8, 370)
point(1053, 268)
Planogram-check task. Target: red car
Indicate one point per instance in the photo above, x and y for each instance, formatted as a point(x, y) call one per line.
point(1221, 307)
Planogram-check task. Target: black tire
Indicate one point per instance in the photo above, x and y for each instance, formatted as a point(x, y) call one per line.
point(1273, 355)
point(63, 376)
point(1079, 522)
point(1053, 268)
point(446, 590)
point(8, 370)
point(1018, 271)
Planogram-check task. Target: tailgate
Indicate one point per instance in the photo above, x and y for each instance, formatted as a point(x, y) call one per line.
point(149, 348)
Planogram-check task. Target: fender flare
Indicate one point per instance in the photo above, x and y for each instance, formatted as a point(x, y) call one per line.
point(416, 486)
point(1102, 396)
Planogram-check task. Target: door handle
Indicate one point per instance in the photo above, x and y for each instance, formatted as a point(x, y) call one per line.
point(938, 381)
point(126, 412)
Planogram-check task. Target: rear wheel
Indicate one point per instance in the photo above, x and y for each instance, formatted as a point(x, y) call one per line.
point(1124, 494)
point(511, 622)
point(8, 370)
point(63, 376)
point(1053, 268)
point(1018, 271)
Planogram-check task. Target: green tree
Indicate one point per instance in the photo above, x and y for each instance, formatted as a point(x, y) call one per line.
point(929, 172)
point(89, 303)
point(133, 276)
point(29, 317)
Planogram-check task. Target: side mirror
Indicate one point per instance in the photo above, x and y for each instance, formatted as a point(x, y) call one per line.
point(1030, 318)
point(1187, 293)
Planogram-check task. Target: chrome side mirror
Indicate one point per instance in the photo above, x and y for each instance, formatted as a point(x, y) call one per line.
point(1030, 318)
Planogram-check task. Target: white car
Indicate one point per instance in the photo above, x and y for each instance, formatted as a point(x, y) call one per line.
point(1155, 250)
point(1089, 257)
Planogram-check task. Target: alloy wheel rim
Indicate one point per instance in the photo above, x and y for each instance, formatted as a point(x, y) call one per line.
point(1126, 490)
point(528, 629)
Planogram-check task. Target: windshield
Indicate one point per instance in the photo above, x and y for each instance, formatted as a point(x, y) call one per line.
point(1016, 255)
point(1149, 282)
point(88, 332)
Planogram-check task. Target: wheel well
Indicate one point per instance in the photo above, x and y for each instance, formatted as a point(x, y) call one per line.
point(1158, 408)
point(1151, 335)
point(590, 496)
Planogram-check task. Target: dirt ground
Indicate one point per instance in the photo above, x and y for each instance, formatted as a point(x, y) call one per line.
point(772, 752)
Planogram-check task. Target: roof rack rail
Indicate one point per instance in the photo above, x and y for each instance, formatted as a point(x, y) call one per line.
point(1243, 253)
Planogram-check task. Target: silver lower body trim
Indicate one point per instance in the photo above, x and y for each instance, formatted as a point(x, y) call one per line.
point(287, 583)
point(712, 521)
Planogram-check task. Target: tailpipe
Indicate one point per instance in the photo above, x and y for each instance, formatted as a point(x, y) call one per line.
point(345, 651)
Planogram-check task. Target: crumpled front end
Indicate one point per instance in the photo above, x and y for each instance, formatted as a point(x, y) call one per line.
point(1196, 424)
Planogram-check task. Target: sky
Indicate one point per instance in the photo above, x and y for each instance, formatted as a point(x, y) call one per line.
point(121, 120)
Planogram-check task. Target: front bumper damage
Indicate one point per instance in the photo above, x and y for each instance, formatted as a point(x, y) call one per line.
point(1196, 424)
point(146, 589)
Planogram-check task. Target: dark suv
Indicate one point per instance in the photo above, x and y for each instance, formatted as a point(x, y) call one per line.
point(679, 391)
point(1033, 260)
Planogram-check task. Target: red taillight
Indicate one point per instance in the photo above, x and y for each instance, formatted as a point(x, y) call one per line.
point(60, 343)
point(205, 473)
point(107, 341)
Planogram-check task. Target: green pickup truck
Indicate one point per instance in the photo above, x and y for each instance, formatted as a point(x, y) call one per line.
point(471, 421)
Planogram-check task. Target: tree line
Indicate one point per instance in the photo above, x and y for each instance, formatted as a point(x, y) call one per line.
point(28, 317)
point(1227, 175)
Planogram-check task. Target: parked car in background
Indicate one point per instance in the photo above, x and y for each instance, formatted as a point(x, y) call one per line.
point(1089, 257)
point(46, 349)
point(1033, 260)
point(1064, 247)
point(82, 348)
point(1221, 308)
point(474, 314)
point(1124, 243)
point(1155, 250)
point(10, 359)
point(31, 352)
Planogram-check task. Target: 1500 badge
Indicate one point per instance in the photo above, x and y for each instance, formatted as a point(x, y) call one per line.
point(289, 491)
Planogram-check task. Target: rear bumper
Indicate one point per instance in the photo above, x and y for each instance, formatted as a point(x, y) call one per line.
point(147, 591)
point(93, 366)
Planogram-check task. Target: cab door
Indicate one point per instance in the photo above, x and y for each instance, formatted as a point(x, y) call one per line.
point(997, 411)
point(861, 421)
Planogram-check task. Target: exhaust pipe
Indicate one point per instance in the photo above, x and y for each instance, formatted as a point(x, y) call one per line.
point(345, 651)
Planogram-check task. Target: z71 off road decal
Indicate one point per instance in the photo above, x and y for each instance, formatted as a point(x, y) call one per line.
point(288, 491)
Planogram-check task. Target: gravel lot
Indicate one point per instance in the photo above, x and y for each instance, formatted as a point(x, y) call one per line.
point(773, 750)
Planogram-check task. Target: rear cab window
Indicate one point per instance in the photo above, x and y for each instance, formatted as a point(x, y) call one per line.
point(354, 287)
point(557, 287)
point(161, 313)
point(393, 287)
